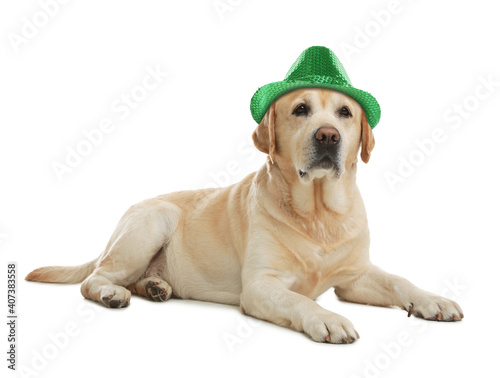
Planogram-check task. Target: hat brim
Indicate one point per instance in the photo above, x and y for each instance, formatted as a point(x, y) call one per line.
point(268, 93)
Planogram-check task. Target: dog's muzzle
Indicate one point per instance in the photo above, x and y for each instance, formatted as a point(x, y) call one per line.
point(326, 143)
point(324, 152)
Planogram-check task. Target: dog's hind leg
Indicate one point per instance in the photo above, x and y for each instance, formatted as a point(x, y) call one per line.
point(143, 231)
point(150, 285)
point(153, 288)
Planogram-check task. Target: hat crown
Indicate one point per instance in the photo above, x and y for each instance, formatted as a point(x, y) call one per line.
point(316, 67)
point(319, 61)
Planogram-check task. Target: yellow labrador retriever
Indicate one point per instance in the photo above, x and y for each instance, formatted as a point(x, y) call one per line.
point(271, 243)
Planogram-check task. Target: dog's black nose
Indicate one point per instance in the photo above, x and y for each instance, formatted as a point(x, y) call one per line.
point(327, 136)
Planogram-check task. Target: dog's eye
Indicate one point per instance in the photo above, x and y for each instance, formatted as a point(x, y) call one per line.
point(345, 112)
point(301, 109)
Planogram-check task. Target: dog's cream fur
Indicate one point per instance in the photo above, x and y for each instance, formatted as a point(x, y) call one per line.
point(271, 243)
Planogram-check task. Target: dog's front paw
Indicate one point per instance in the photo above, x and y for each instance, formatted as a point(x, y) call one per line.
point(331, 328)
point(434, 307)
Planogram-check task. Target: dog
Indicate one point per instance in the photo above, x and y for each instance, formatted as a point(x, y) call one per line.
point(271, 243)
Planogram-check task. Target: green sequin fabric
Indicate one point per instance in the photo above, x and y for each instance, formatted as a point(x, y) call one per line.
point(316, 67)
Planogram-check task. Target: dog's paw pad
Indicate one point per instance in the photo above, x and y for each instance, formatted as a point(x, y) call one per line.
point(158, 291)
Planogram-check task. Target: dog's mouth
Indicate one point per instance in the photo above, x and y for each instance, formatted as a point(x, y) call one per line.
point(326, 162)
point(325, 165)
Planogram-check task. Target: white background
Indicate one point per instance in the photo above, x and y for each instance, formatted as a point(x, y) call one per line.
point(439, 228)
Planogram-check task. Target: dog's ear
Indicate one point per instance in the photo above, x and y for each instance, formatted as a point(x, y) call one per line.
point(367, 139)
point(264, 136)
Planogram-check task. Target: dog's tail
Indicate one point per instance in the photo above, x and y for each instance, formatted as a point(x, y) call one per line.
point(62, 274)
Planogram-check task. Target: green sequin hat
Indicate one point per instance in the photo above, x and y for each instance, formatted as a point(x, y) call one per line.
point(316, 67)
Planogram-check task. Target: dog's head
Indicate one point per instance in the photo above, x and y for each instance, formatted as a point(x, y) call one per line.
point(315, 132)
